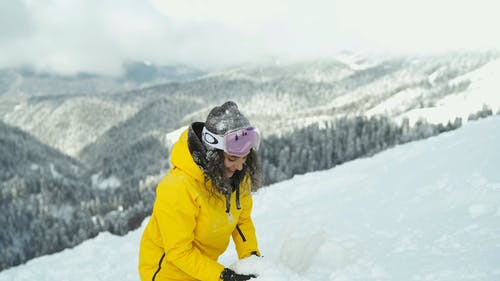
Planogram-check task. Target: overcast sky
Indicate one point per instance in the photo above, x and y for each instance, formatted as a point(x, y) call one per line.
point(70, 36)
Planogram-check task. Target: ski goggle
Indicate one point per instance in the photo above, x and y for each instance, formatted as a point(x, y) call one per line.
point(238, 142)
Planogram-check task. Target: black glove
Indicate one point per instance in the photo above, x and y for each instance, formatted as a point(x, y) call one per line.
point(229, 275)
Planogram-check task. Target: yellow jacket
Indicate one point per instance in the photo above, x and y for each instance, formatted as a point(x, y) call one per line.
point(189, 229)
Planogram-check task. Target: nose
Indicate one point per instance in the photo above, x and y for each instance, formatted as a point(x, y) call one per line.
point(239, 164)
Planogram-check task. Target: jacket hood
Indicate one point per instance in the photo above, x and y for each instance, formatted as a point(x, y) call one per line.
point(182, 158)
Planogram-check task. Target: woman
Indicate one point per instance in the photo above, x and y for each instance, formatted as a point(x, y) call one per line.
point(203, 200)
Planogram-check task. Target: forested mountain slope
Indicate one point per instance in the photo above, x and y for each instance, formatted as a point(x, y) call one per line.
point(101, 154)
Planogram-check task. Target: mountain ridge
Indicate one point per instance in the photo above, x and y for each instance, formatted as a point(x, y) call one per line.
point(310, 119)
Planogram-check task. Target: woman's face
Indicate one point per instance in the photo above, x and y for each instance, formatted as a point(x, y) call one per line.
point(233, 163)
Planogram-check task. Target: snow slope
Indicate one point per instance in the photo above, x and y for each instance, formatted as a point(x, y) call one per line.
point(428, 210)
point(484, 90)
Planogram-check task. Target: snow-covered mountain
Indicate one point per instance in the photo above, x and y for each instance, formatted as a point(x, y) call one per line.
point(427, 210)
point(304, 109)
point(24, 156)
point(278, 97)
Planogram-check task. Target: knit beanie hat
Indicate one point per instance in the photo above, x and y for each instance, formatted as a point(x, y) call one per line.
point(226, 118)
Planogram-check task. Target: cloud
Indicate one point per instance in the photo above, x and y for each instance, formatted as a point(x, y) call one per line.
point(91, 36)
point(424, 25)
point(15, 21)
point(99, 36)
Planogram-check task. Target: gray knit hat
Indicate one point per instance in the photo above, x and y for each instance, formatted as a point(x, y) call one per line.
point(226, 118)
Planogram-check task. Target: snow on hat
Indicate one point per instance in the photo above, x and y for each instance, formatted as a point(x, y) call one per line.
point(226, 118)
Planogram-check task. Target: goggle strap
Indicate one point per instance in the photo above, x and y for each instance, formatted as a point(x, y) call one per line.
point(212, 139)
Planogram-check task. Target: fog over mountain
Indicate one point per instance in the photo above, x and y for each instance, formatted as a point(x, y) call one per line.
point(99, 37)
point(99, 151)
point(27, 82)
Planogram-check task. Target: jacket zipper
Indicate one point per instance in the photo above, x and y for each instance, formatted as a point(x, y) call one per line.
point(159, 267)
point(241, 233)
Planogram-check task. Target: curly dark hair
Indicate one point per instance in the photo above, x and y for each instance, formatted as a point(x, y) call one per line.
point(215, 171)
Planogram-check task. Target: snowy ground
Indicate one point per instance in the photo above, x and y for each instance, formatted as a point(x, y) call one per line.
point(428, 210)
